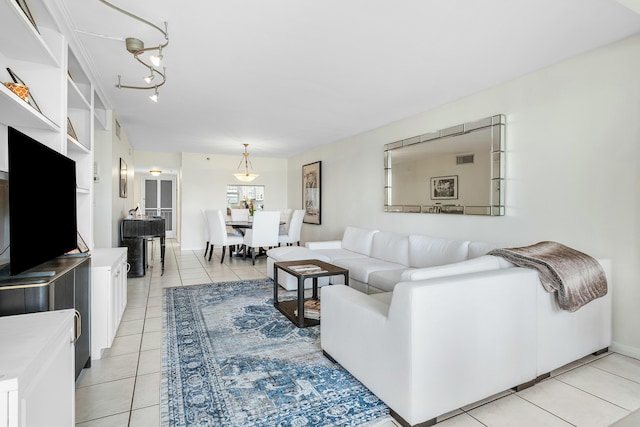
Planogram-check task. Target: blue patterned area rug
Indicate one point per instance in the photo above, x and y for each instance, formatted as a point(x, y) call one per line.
point(231, 359)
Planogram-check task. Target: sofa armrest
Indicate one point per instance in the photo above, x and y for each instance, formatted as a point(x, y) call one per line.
point(327, 244)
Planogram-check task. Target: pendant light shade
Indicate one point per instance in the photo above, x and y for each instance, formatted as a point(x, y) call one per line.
point(246, 176)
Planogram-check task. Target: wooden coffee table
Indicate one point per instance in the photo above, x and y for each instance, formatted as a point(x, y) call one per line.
point(317, 269)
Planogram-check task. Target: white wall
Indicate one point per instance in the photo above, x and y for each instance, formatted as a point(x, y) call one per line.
point(204, 186)
point(109, 207)
point(572, 170)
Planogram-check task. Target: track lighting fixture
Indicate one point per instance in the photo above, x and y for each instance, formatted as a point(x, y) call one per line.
point(136, 48)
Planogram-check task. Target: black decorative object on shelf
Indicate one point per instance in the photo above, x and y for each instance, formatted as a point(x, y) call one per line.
point(70, 130)
point(27, 13)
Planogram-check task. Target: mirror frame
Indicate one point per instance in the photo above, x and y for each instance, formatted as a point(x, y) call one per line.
point(495, 207)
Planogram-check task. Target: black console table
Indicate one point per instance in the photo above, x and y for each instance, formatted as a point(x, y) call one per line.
point(58, 284)
point(134, 234)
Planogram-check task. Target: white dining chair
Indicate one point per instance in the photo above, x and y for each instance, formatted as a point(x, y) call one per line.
point(239, 214)
point(263, 233)
point(293, 233)
point(285, 220)
point(219, 235)
point(207, 231)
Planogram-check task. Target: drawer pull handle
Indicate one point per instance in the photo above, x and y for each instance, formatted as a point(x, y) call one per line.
point(77, 326)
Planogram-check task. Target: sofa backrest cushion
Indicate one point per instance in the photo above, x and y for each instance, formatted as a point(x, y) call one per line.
point(483, 263)
point(392, 247)
point(477, 249)
point(426, 251)
point(358, 240)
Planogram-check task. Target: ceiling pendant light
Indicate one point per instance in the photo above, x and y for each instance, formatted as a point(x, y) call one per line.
point(136, 48)
point(246, 176)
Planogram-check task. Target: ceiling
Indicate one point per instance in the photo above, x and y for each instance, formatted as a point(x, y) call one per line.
point(286, 76)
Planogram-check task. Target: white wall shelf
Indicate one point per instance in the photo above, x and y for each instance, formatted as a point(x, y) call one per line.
point(17, 113)
point(19, 40)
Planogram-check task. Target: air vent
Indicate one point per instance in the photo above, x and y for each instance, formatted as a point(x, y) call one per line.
point(464, 159)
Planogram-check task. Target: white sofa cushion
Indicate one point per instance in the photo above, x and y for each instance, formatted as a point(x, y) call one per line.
point(483, 263)
point(333, 255)
point(358, 240)
point(391, 247)
point(427, 251)
point(360, 268)
point(385, 280)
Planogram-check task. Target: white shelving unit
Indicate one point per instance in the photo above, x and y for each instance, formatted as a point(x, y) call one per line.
point(46, 62)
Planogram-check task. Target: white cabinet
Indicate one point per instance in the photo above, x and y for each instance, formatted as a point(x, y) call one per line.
point(108, 296)
point(37, 370)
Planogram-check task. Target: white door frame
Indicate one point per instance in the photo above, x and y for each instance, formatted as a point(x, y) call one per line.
point(171, 231)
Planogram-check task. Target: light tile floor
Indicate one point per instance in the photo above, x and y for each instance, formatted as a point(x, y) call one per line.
point(123, 387)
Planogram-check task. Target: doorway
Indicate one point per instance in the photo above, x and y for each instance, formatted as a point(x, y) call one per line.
point(159, 199)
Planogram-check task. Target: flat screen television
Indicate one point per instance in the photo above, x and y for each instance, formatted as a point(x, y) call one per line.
point(42, 203)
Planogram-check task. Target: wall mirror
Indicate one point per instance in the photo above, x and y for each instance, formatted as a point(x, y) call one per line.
point(239, 196)
point(457, 170)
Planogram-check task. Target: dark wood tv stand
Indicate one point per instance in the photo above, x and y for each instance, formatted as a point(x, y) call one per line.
point(37, 290)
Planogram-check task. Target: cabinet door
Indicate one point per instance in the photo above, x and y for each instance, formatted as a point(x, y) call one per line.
point(82, 303)
point(62, 290)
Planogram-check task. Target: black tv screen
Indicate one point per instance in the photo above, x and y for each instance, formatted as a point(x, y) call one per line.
point(42, 203)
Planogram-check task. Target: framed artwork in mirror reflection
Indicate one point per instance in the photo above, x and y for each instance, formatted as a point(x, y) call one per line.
point(311, 186)
point(444, 187)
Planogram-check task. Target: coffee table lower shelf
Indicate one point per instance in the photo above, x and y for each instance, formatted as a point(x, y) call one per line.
point(289, 307)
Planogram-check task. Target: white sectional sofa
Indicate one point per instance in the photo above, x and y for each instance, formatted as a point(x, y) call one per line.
point(436, 324)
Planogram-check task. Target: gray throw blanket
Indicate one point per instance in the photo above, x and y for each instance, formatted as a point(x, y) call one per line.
point(575, 276)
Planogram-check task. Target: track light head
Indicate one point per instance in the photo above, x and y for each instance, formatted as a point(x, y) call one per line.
point(154, 97)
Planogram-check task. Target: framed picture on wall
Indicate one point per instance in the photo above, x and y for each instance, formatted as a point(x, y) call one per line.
point(444, 187)
point(123, 178)
point(311, 186)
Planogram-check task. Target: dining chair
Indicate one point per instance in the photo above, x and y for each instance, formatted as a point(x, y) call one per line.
point(264, 232)
point(219, 235)
point(285, 220)
point(207, 231)
point(239, 214)
point(295, 226)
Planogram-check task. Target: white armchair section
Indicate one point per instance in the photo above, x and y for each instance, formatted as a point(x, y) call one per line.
point(433, 346)
point(263, 233)
point(453, 338)
point(219, 235)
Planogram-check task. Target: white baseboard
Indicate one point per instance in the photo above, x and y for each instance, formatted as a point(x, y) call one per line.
point(625, 350)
